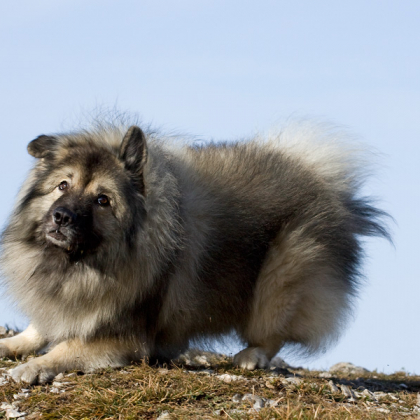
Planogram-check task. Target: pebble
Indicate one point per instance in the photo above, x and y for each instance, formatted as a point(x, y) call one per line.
point(325, 375)
point(292, 381)
point(271, 403)
point(60, 384)
point(201, 361)
point(166, 415)
point(348, 392)
point(13, 414)
point(333, 386)
point(21, 395)
point(348, 368)
point(256, 401)
point(229, 378)
point(370, 395)
point(237, 398)
point(380, 395)
point(382, 410)
point(205, 372)
point(59, 377)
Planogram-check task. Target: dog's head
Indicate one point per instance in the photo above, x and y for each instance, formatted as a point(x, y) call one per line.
point(85, 192)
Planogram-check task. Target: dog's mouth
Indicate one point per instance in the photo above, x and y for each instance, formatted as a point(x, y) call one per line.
point(58, 238)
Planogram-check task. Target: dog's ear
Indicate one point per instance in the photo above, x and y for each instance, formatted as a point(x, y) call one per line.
point(42, 146)
point(133, 151)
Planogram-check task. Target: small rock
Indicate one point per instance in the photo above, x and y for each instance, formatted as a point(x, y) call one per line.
point(380, 395)
point(369, 394)
point(237, 398)
point(60, 384)
point(59, 377)
point(33, 416)
point(258, 404)
point(357, 394)
point(382, 410)
point(11, 333)
point(54, 390)
point(271, 403)
point(333, 387)
point(13, 414)
point(201, 361)
point(348, 392)
point(163, 371)
point(257, 401)
point(325, 375)
point(71, 375)
point(348, 368)
point(229, 378)
point(3, 331)
point(166, 415)
point(206, 372)
point(20, 395)
point(292, 381)
point(6, 406)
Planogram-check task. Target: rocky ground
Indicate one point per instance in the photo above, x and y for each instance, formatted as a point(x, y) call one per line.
point(207, 386)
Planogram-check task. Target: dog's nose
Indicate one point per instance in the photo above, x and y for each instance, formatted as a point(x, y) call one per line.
point(63, 216)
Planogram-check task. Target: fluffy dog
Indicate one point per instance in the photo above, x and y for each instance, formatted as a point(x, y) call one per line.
point(124, 245)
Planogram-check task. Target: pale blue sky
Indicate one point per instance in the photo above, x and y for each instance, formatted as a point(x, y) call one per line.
point(222, 70)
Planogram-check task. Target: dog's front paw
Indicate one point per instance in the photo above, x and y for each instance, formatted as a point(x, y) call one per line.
point(4, 350)
point(251, 358)
point(34, 371)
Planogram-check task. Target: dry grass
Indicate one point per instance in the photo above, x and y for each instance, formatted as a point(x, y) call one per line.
point(143, 391)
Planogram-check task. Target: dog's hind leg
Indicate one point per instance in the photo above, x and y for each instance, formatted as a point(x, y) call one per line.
point(258, 355)
point(298, 298)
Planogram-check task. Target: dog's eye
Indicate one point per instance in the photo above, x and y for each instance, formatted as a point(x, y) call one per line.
point(103, 200)
point(63, 185)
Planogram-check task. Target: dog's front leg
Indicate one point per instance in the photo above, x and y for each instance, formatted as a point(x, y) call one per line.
point(78, 355)
point(27, 342)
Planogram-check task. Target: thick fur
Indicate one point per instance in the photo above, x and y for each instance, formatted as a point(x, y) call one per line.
point(260, 238)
